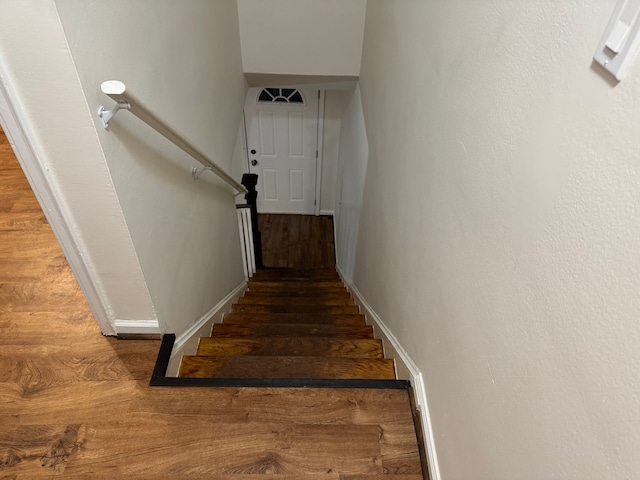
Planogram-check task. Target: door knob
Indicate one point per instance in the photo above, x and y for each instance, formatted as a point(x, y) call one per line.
point(254, 162)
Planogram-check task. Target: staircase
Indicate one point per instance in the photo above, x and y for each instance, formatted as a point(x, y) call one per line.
point(291, 324)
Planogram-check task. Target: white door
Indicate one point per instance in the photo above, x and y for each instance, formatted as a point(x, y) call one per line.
point(282, 133)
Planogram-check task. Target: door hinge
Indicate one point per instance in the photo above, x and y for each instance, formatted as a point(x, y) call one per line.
point(316, 154)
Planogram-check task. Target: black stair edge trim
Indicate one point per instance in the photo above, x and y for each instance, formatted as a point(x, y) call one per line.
point(159, 378)
point(162, 361)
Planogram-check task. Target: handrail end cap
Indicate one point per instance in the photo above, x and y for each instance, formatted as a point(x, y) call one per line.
point(113, 87)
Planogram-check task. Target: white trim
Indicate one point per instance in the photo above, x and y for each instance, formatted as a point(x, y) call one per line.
point(320, 141)
point(19, 136)
point(243, 245)
point(137, 327)
point(245, 145)
point(335, 232)
point(407, 366)
point(335, 242)
point(187, 342)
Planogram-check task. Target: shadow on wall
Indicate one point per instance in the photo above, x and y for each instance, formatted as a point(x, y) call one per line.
point(161, 160)
point(354, 156)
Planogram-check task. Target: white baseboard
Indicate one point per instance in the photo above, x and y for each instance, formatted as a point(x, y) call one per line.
point(137, 327)
point(406, 369)
point(187, 342)
point(327, 212)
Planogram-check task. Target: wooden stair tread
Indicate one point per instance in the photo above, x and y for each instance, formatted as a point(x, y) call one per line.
point(304, 284)
point(296, 273)
point(296, 346)
point(297, 270)
point(335, 279)
point(290, 330)
point(286, 367)
point(296, 318)
point(261, 308)
point(295, 289)
point(278, 300)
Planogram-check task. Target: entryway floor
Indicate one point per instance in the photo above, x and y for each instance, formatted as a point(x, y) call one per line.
point(297, 241)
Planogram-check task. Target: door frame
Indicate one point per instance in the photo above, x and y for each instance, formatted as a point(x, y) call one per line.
point(319, 142)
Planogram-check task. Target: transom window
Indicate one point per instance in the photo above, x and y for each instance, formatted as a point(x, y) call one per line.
point(280, 95)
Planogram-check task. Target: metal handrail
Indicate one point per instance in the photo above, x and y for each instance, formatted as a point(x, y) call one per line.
point(127, 101)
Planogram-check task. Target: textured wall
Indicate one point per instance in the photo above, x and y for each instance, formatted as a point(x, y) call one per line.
point(334, 106)
point(38, 70)
point(499, 231)
point(183, 59)
point(302, 37)
point(351, 182)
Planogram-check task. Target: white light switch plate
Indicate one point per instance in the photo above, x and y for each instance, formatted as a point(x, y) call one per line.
point(620, 41)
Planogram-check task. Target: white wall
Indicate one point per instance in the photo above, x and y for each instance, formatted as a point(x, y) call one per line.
point(183, 59)
point(498, 236)
point(302, 37)
point(45, 95)
point(334, 106)
point(353, 155)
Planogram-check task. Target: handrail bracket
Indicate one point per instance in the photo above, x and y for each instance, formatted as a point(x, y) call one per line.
point(196, 172)
point(107, 115)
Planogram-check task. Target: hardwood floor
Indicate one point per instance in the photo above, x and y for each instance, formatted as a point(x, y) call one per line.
point(76, 405)
point(303, 241)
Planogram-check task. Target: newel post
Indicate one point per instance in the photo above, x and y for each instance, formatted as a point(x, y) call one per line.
point(250, 180)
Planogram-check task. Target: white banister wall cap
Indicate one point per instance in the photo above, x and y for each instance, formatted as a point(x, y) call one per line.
point(113, 87)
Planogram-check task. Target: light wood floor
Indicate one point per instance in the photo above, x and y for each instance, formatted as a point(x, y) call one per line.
point(297, 241)
point(75, 404)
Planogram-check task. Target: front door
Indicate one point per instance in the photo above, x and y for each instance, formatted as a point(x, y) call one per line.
point(282, 133)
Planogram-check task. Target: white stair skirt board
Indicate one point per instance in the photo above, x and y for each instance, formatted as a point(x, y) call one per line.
point(187, 342)
point(137, 327)
point(406, 369)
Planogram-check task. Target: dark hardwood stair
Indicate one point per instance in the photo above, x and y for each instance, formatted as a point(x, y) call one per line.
point(299, 346)
point(230, 330)
point(285, 308)
point(291, 324)
point(287, 290)
point(257, 299)
point(296, 318)
point(286, 367)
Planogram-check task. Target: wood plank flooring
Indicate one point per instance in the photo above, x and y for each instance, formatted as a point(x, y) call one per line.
point(302, 241)
point(75, 404)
